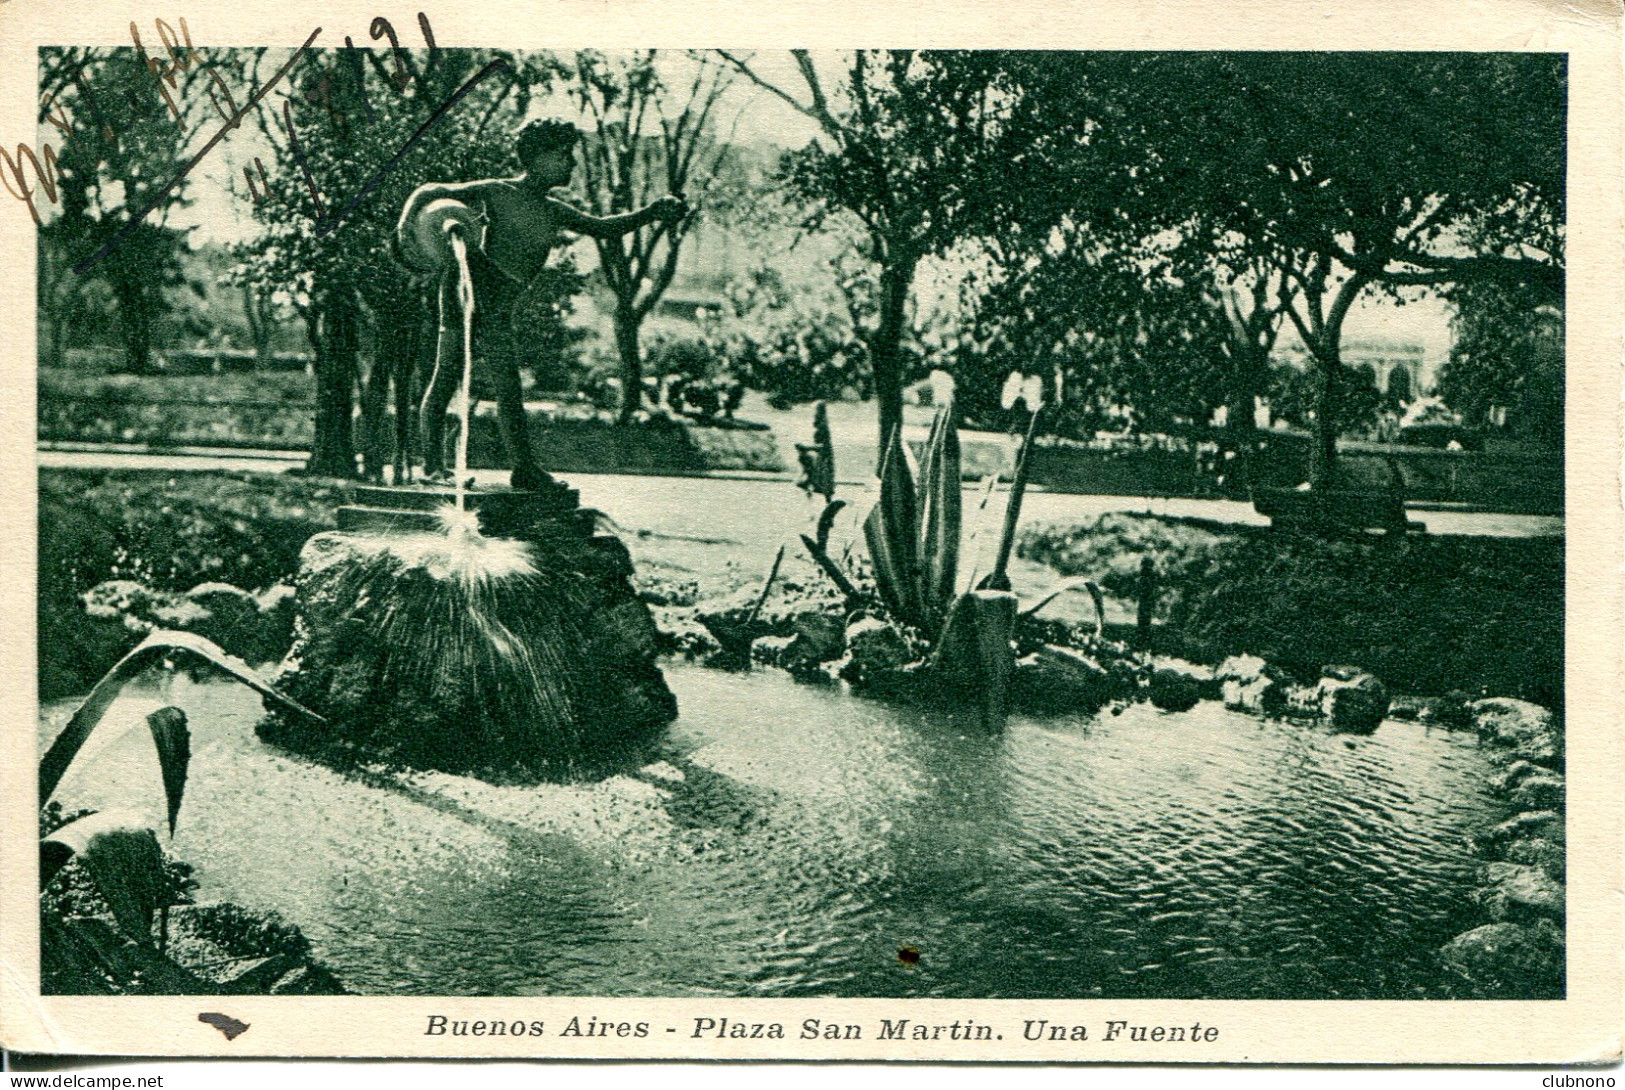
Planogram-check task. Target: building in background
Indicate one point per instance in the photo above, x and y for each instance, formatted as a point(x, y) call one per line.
point(1402, 370)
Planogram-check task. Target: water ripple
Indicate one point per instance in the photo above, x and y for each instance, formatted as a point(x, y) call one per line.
point(792, 840)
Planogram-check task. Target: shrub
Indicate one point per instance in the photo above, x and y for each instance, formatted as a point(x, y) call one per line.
point(792, 347)
point(244, 933)
point(806, 358)
point(1110, 549)
point(1426, 614)
point(170, 531)
point(173, 531)
point(689, 357)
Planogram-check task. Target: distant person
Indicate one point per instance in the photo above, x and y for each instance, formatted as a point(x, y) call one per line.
point(519, 224)
point(733, 394)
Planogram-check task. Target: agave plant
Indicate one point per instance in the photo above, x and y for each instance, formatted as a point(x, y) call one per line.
point(119, 850)
point(913, 530)
point(913, 534)
point(972, 621)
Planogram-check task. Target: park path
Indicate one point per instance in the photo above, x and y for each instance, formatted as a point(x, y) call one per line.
point(764, 507)
point(723, 530)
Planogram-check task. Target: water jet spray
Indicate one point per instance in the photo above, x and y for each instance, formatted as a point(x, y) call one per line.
point(465, 300)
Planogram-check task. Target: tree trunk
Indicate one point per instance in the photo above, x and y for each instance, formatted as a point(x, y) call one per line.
point(132, 294)
point(374, 399)
point(626, 341)
point(50, 302)
point(394, 345)
point(55, 334)
point(1324, 465)
point(334, 337)
point(1249, 383)
point(1241, 441)
point(259, 325)
point(1327, 349)
point(886, 347)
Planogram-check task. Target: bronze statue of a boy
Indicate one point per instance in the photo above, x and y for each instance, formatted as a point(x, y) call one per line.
point(519, 223)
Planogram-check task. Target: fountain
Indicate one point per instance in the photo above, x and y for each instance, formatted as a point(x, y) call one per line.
point(484, 631)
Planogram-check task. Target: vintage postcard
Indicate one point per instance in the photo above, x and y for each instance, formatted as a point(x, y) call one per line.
point(1031, 533)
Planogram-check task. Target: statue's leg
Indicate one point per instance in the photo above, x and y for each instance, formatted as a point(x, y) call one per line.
point(527, 475)
point(448, 370)
point(498, 353)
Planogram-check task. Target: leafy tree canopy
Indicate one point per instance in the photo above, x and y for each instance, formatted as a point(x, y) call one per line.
point(1279, 186)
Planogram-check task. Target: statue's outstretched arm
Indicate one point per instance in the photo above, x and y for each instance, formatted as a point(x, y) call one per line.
point(571, 218)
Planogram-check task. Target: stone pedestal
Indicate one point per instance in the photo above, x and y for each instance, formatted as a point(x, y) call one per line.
point(522, 654)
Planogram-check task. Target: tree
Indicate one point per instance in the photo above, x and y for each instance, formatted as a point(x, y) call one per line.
point(1350, 174)
point(1134, 332)
point(1507, 361)
point(1253, 301)
point(260, 315)
point(126, 119)
point(917, 146)
point(1508, 352)
point(71, 310)
point(352, 111)
point(646, 139)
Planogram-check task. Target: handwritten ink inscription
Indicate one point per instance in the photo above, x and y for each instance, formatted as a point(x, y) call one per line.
point(29, 175)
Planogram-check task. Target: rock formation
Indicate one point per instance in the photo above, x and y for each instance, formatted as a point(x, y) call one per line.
point(518, 652)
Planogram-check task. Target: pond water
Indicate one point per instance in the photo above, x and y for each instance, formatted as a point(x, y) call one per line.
point(792, 840)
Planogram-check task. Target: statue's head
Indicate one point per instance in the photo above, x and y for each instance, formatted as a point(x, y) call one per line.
point(547, 150)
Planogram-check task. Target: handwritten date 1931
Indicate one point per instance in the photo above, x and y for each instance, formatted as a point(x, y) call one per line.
point(29, 175)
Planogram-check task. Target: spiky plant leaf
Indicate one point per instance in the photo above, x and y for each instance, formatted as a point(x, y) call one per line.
point(890, 568)
point(826, 522)
point(174, 744)
point(120, 852)
point(154, 649)
point(767, 587)
point(891, 530)
point(976, 541)
point(1011, 391)
point(1058, 589)
point(818, 549)
point(999, 578)
point(940, 515)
